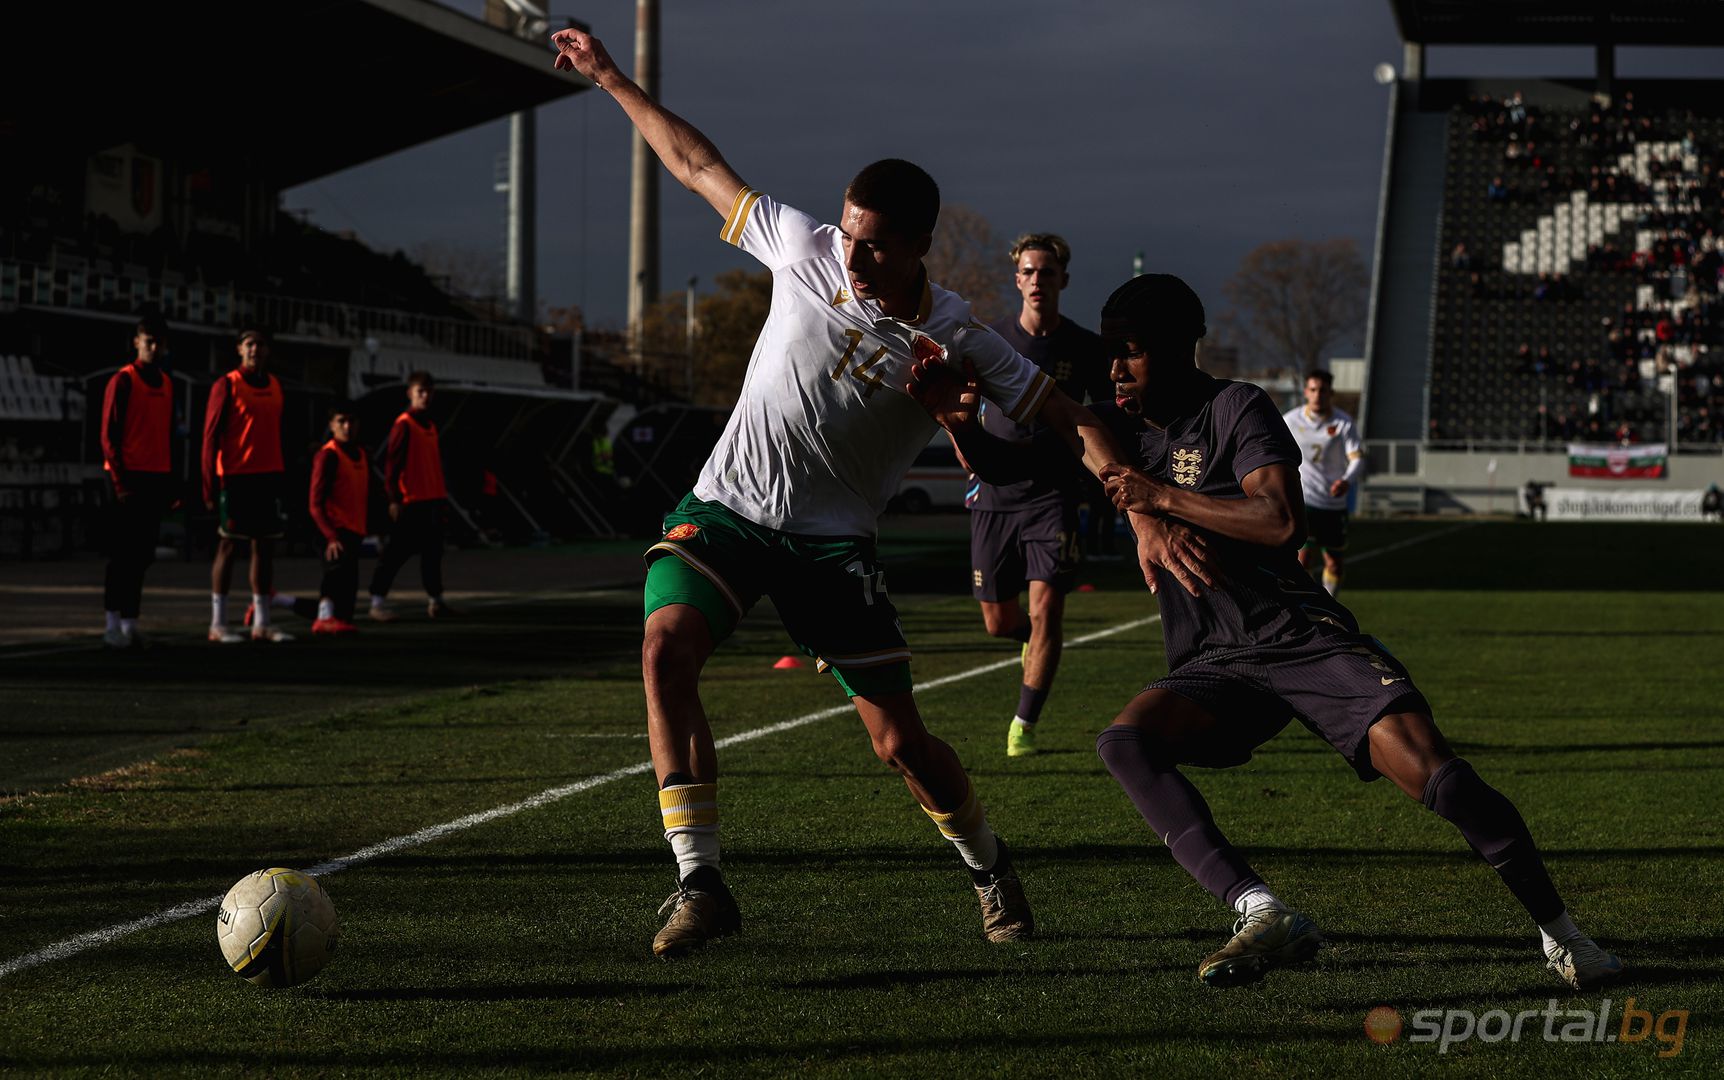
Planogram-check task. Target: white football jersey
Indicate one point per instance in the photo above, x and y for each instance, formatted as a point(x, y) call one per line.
point(1327, 445)
point(823, 432)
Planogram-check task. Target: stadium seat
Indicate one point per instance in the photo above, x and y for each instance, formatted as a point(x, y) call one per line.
point(1477, 387)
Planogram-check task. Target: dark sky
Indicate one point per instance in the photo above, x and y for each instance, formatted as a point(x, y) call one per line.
point(1191, 130)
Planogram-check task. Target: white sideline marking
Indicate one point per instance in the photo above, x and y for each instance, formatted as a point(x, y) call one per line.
point(72, 946)
point(480, 600)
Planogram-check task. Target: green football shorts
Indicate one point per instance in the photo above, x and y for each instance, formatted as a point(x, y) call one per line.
point(830, 591)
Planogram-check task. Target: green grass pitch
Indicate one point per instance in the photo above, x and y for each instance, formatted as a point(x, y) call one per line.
point(1578, 667)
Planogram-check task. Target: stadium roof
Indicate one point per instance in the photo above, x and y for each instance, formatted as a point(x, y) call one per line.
point(1547, 22)
point(301, 88)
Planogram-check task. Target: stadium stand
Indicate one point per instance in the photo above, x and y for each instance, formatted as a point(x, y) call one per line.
point(1546, 263)
point(1581, 277)
point(141, 204)
point(28, 396)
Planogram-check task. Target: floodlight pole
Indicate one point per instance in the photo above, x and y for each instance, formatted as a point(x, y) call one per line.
point(523, 215)
point(643, 199)
point(526, 19)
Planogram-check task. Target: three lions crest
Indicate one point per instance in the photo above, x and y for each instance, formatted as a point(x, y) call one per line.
point(1186, 466)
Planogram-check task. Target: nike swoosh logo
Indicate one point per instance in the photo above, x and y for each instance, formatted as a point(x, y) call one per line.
point(1397, 678)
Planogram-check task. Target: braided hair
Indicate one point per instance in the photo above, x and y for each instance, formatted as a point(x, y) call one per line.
point(1160, 306)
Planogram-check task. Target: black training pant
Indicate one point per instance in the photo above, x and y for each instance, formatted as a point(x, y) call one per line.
point(341, 575)
point(134, 523)
point(418, 531)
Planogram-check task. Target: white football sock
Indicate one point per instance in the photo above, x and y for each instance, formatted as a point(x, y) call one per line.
point(968, 830)
point(1257, 896)
point(259, 611)
point(130, 626)
point(283, 599)
point(693, 849)
point(113, 620)
point(325, 608)
point(218, 609)
point(376, 601)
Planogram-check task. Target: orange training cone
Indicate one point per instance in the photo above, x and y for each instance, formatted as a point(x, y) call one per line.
point(787, 662)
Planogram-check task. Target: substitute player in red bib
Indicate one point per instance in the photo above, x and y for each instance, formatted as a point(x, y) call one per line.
point(243, 472)
point(340, 494)
point(137, 454)
point(788, 503)
point(1024, 535)
point(1252, 641)
point(413, 482)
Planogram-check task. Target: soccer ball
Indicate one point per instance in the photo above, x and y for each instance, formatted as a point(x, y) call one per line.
point(277, 927)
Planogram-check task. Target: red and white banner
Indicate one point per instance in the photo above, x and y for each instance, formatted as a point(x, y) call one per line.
point(1648, 462)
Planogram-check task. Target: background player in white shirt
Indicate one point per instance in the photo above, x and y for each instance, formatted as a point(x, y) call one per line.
point(787, 504)
point(1331, 461)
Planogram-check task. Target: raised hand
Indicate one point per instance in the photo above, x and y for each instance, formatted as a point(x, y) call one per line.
point(580, 51)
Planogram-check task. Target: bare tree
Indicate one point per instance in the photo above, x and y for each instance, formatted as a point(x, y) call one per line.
point(1292, 299)
point(727, 321)
point(970, 260)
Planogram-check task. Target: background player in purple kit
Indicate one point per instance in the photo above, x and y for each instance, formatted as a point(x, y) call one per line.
point(1024, 534)
point(1251, 640)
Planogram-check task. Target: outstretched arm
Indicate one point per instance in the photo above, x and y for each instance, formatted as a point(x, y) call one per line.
point(687, 154)
point(1087, 436)
point(952, 399)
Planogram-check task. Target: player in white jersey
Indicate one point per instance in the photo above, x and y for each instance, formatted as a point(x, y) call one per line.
point(1331, 460)
point(788, 502)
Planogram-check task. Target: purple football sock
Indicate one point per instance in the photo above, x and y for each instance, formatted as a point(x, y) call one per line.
point(1175, 809)
point(1030, 702)
point(1494, 828)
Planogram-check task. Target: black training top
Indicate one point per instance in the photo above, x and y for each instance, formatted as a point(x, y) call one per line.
point(1078, 363)
point(1262, 595)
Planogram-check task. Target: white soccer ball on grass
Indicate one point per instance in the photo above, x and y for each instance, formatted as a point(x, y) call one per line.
point(277, 927)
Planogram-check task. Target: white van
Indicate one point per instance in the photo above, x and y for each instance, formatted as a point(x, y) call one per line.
point(935, 479)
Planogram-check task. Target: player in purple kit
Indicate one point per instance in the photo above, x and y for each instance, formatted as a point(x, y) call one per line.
point(1025, 533)
point(1251, 640)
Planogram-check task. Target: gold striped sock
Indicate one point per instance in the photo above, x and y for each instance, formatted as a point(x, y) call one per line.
point(967, 828)
point(964, 820)
point(689, 807)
